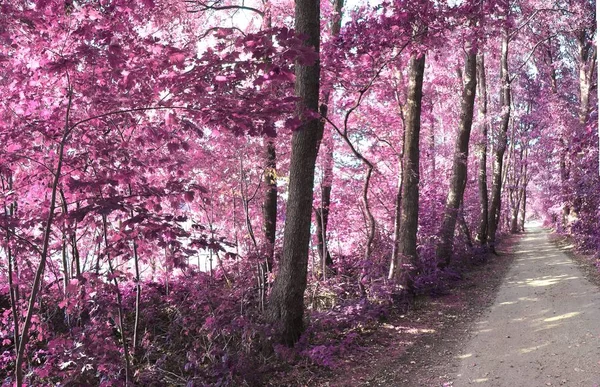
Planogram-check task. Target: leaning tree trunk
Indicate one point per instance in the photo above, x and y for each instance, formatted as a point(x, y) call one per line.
point(406, 268)
point(500, 148)
point(482, 230)
point(458, 181)
point(286, 303)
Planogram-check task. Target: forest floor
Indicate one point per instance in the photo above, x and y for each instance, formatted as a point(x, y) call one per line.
point(530, 317)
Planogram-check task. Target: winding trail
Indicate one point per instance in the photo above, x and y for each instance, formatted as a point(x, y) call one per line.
point(544, 327)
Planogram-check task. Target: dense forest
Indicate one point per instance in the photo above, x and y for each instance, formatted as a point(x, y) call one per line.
point(204, 192)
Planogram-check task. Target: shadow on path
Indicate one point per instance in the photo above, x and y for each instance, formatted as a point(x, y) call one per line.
point(544, 327)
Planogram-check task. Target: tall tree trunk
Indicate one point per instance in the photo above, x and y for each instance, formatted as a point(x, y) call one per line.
point(270, 180)
point(45, 250)
point(322, 213)
point(562, 143)
point(587, 64)
point(517, 196)
point(286, 304)
point(500, 148)
point(524, 191)
point(395, 260)
point(458, 181)
point(464, 227)
point(409, 219)
point(270, 203)
point(482, 175)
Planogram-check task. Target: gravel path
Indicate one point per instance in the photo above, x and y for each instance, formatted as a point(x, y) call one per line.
point(544, 327)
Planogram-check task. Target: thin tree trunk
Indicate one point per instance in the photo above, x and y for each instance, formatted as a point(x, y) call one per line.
point(524, 191)
point(500, 148)
point(395, 259)
point(270, 203)
point(13, 266)
point(458, 181)
point(514, 222)
point(45, 246)
point(270, 180)
point(322, 213)
point(138, 289)
point(482, 175)
point(409, 219)
point(286, 304)
point(464, 227)
point(121, 315)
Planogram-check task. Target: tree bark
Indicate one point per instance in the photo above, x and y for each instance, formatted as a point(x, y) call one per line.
point(517, 196)
point(322, 213)
point(587, 64)
point(524, 191)
point(482, 230)
point(286, 303)
point(270, 180)
point(409, 219)
point(500, 148)
point(270, 203)
point(395, 260)
point(458, 181)
point(45, 250)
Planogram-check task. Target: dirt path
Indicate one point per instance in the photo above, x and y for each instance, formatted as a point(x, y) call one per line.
point(544, 327)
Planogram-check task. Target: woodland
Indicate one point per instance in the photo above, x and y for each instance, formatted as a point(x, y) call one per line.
point(208, 192)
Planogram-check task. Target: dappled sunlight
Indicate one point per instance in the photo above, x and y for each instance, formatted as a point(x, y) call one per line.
point(533, 299)
point(534, 348)
point(416, 331)
point(508, 303)
point(562, 317)
point(543, 281)
point(547, 326)
point(408, 329)
point(545, 318)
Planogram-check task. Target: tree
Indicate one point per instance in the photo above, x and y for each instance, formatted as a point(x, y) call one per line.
point(407, 243)
point(286, 303)
point(458, 179)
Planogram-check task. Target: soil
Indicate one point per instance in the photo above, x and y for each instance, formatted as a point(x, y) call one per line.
point(544, 327)
point(419, 347)
point(528, 317)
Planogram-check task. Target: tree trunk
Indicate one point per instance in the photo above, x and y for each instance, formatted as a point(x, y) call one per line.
point(286, 304)
point(524, 192)
point(270, 180)
point(395, 261)
point(482, 231)
point(517, 195)
point(464, 227)
point(458, 181)
point(587, 63)
point(270, 203)
point(45, 250)
point(322, 213)
point(409, 219)
point(500, 148)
